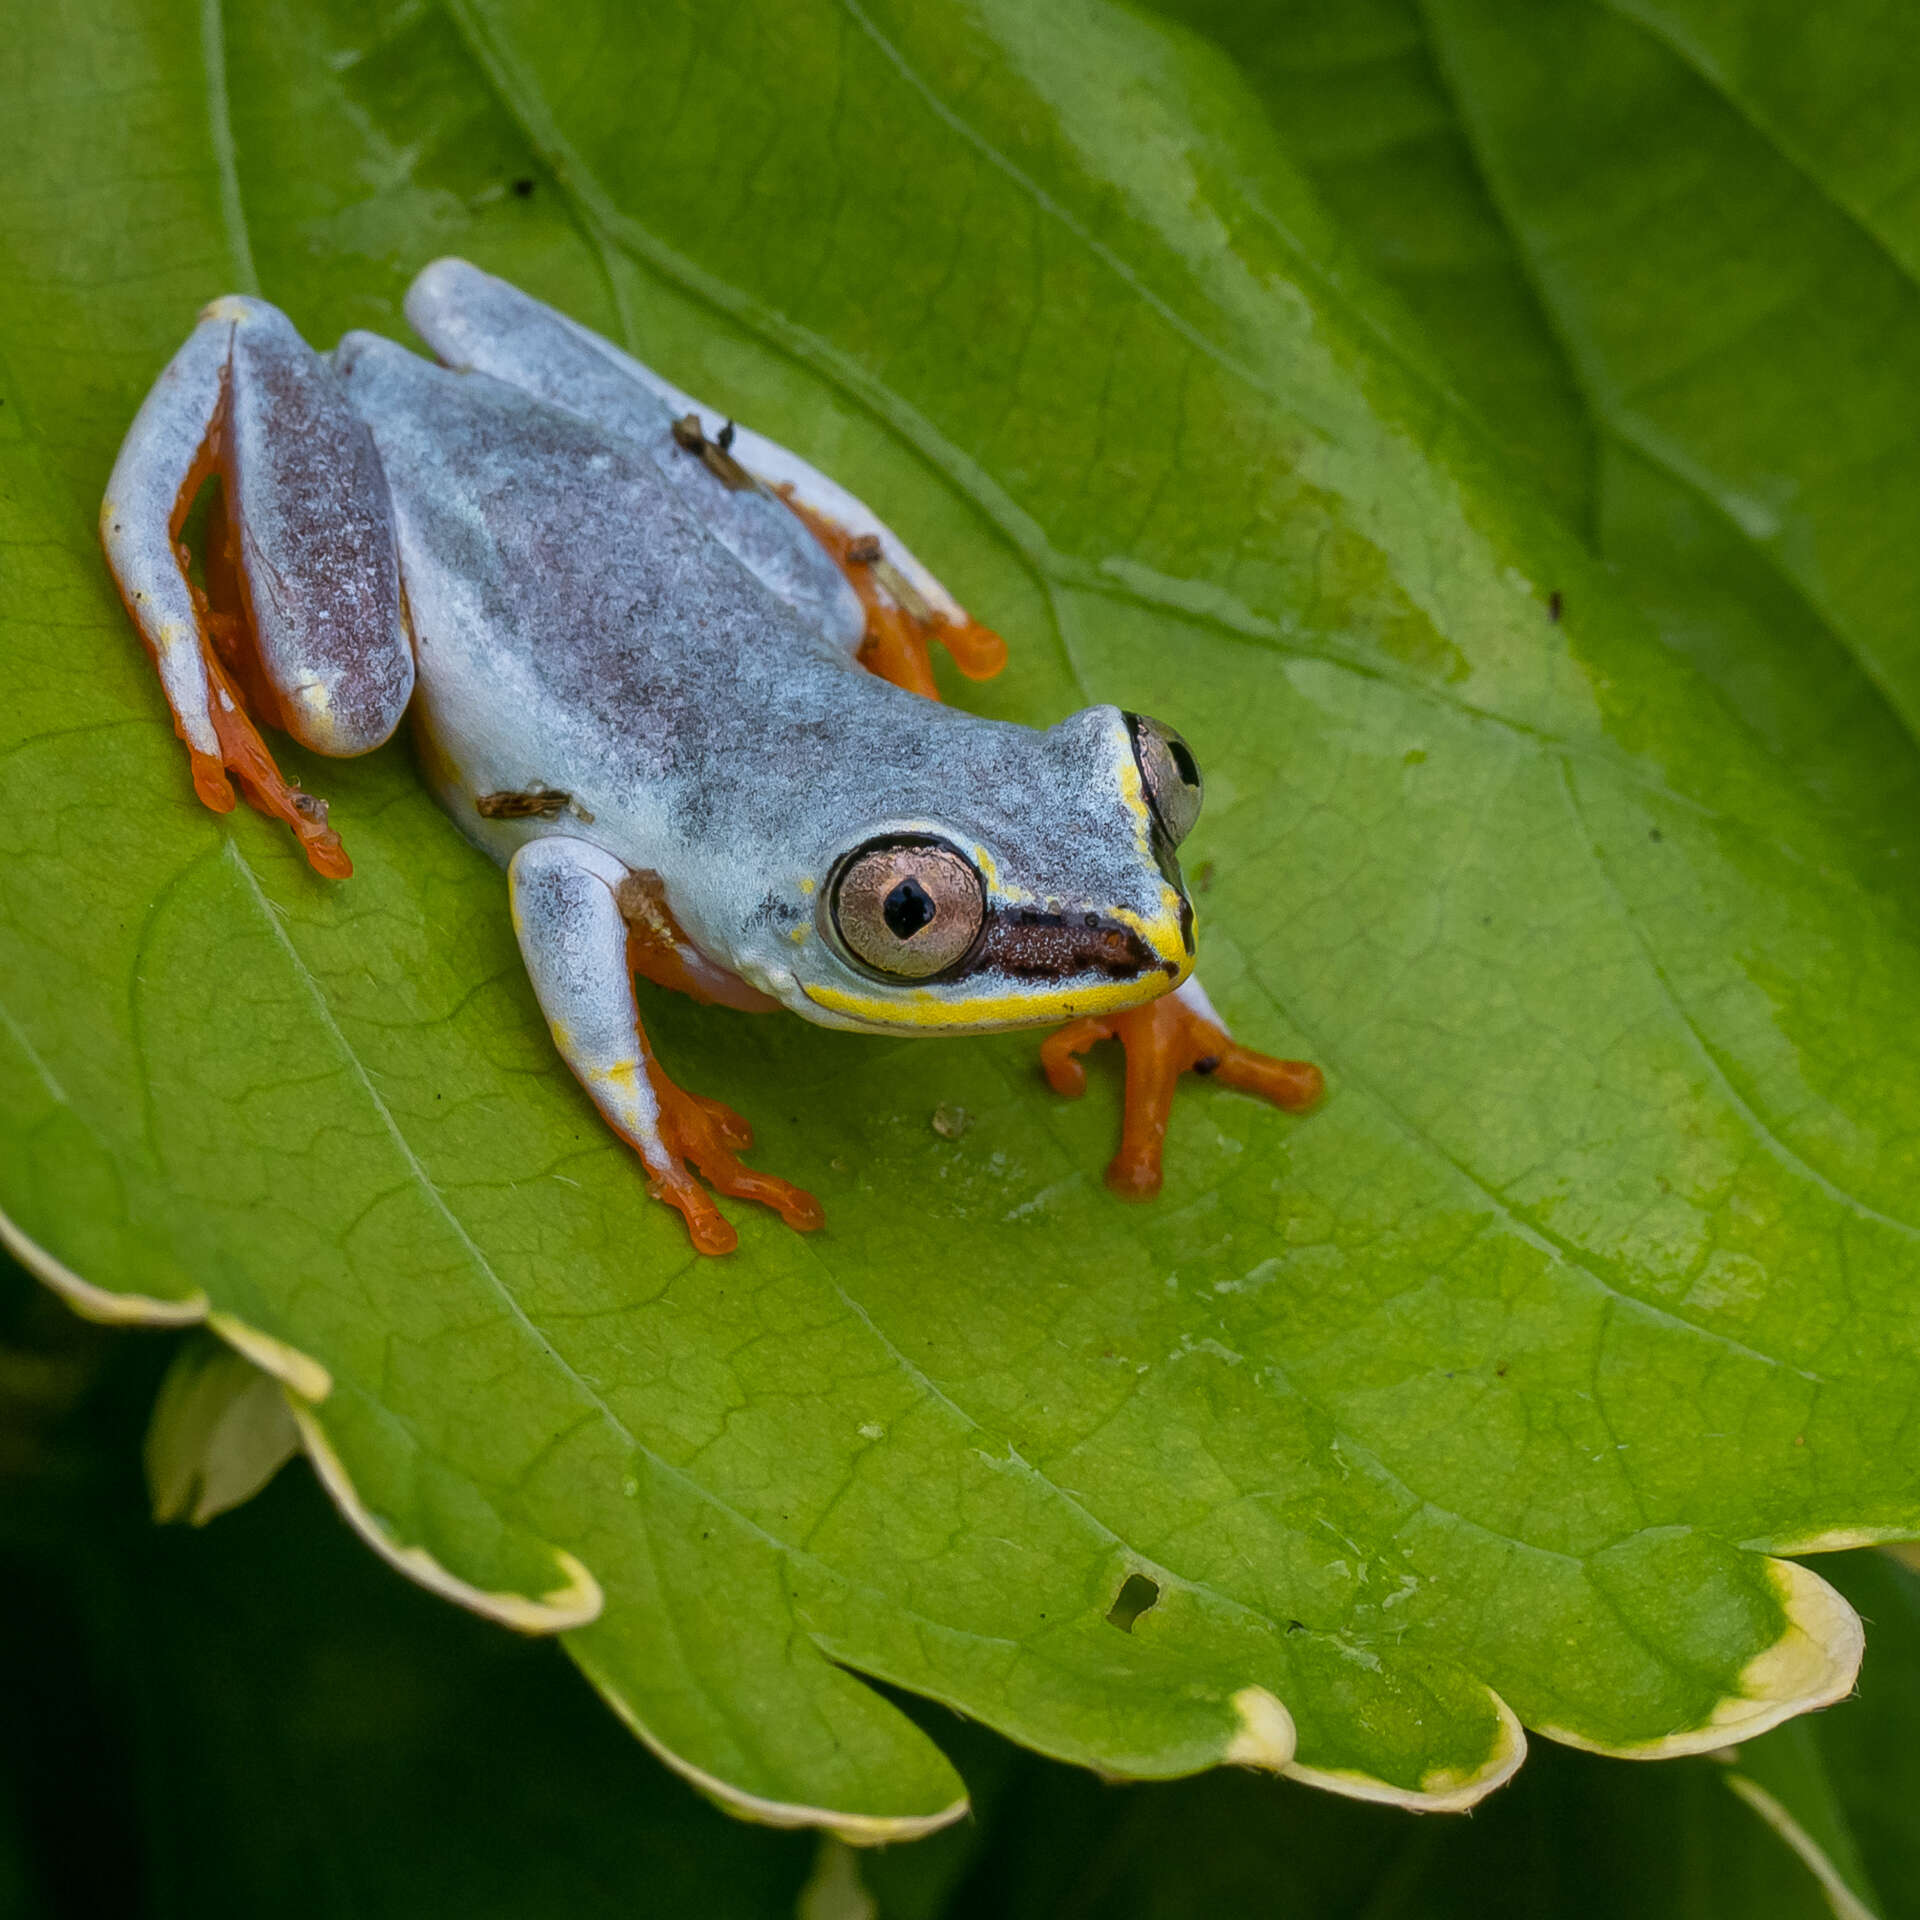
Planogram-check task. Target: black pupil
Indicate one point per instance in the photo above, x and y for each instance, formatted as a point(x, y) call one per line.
point(1184, 762)
point(907, 909)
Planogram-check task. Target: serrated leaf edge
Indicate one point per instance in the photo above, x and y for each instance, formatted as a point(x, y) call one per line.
point(304, 1382)
point(298, 1372)
point(1441, 1790)
point(856, 1829)
point(96, 1303)
point(1267, 1737)
point(1813, 1663)
point(575, 1602)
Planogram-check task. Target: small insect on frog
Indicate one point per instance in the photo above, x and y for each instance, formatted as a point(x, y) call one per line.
point(677, 683)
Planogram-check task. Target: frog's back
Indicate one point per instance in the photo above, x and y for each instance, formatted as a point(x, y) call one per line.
point(553, 575)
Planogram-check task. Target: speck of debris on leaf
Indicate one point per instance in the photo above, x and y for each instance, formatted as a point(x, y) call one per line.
point(951, 1122)
point(523, 188)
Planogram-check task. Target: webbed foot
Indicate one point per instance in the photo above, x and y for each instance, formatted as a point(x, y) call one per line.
point(902, 624)
point(1164, 1039)
point(709, 1134)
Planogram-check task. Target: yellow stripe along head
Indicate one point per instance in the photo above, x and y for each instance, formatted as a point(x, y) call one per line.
point(1038, 962)
point(1041, 885)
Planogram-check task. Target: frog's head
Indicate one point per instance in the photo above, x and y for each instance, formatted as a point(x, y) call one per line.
point(997, 877)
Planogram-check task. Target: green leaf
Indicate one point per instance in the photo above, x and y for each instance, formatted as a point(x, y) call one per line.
point(1774, 1828)
point(258, 1719)
point(1494, 1381)
point(1669, 253)
point(254, 1717)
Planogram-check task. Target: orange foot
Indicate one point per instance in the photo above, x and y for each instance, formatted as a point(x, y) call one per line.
point(710, 1134)
point(246, 756)
point(901, 627)
point(243, 753)
point(1164, 1040)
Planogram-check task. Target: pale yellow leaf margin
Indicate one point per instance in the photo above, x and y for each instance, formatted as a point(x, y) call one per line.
point(1443, 1790)
point(96, 1303)
point(856, 1829)
point(306, 1383)
point(1814, 1663)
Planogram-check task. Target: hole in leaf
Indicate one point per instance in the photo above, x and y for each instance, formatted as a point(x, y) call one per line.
point(1137, 1595)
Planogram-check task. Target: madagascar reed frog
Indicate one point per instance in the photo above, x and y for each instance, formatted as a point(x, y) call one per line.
point(677, 683)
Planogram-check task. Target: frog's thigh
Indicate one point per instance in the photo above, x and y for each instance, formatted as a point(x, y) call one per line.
point(480, 324)
point(311, 528)
point(312, 560)
point(573, 937)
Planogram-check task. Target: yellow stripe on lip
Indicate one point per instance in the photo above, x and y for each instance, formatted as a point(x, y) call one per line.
point(1162, 933)
point(925, 1008)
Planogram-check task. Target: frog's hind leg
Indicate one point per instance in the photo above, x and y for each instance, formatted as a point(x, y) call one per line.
point(574, 938)
point(1177, 1034)
point(900, 622)
point(305, 624)
point(848, 573)
point(476, 323)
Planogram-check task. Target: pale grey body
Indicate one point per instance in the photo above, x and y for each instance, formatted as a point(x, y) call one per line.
point(513, 545)
point(576, 627)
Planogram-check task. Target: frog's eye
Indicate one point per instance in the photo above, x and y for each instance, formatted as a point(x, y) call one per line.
point(1170, 774)
point(907, 907)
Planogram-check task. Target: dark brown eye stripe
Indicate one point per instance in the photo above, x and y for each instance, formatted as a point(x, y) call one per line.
point(1053, 946)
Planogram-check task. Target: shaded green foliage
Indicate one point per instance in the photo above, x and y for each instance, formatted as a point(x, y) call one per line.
point(1581, 879)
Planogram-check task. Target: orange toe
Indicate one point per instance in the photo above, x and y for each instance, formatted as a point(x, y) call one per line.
point(709, 1134)
point(901, 626)
point(1164, 1040)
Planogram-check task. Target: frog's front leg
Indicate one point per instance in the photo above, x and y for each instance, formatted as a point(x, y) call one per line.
point(305, 617)
point(574, 937)
point(1180, 1033)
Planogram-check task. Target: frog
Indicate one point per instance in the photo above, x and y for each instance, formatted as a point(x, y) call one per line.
point(678, 683)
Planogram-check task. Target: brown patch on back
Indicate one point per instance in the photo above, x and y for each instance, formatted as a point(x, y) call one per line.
point(691, 437)
point(534, 803)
